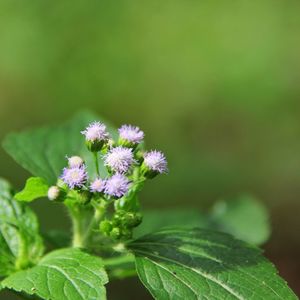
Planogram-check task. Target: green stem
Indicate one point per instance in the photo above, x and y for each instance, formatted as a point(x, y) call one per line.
point(96, 163)
point(100, 210)
point(78, 241)
point(80, 219)
point(84, 223)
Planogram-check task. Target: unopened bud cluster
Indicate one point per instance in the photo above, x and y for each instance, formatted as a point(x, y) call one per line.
point(127, 167)
point(121, 225)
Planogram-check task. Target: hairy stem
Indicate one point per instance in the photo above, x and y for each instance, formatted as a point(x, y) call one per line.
point(96, 163)
point(80, 219)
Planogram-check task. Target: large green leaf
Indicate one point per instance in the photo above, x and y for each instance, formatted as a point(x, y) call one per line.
point(202, 264)
point(244, 217)
point(43, 151)
point(66, 274)
point(35, 188)
point(156, 219)
point(20, 242)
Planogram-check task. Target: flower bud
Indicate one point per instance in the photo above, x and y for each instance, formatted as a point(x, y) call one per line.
point(56, 194)
point(115, 233)
point(105, 227)
point(75, 161)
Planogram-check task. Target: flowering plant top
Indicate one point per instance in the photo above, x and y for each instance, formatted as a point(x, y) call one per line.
point(97, 175)
point(128, 166)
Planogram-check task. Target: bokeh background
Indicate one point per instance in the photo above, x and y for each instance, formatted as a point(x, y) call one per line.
point(215, 84)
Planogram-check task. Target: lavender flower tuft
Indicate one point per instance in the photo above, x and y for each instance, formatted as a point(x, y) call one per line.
point(119, 159)
point(131, 135)
point(96, 136)
point(98, 185)
point(96, 131)
point(74, 177)
point(117, 186)
point(155, 163)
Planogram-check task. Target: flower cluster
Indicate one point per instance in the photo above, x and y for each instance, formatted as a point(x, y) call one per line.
point(127, 167)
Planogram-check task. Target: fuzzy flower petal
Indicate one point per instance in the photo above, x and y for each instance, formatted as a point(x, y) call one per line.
point(74, 177)
point(131, 134)
point(117, 185)
point(95, 132)
point(156, 161)
point(119, 159)
point(98, 185)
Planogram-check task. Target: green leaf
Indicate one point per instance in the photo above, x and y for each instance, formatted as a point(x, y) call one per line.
point(156, 219)
point(245, 218)
point(203, 264)
point(65, 274)
point(20, 242)
point(43, 151)
point(235, 217)
point(36, 187)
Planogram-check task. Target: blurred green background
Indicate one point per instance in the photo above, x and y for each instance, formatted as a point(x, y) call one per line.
point(215, 84)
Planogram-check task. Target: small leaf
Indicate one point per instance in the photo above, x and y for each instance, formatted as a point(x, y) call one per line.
point(244, 217)
point(65, 274)
point(20, 242)
point(201, 264)
point(35, 188)
point(43, 151)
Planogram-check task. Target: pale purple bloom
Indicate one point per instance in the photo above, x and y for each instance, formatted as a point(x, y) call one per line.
point(98, 185)
point(117, 185)
point(74, 177)
point(156, 161)
point(95, 132)
point(119, 159)
point(131, 134)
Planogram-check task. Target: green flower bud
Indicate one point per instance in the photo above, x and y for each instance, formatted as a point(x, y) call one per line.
point(115, 233)
point(126, 234)
point(84, 197)
point(105, 227)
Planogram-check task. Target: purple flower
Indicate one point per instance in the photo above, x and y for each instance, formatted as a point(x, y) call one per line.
point(74, 177)
point(119, 159)
point(156, 161)
point(95, 132)
point(117, 185)
point(98, 185)
point(131, 134)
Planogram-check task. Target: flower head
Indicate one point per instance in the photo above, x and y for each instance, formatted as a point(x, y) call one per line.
point(53, 192)
point(131, 134)
point(156, 161)
point(95, 132)
point(117, 185)
point(119, 159)
point(74, 177)
point(98, 185)
point(75, 161)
